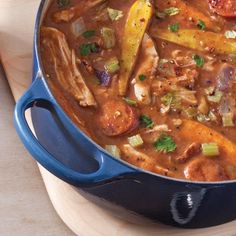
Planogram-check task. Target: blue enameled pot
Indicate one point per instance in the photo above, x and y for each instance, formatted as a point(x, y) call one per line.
point(73, 157)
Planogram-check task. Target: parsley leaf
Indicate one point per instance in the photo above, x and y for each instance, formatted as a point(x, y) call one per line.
point(199, 60)
point(147, 121)
point(165, 143)
point(86, 49)
point(89, 34)
point(201, 24)
point(142, 77)
point(174, 27)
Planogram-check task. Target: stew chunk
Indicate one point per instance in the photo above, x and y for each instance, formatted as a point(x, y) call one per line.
point(117, 118)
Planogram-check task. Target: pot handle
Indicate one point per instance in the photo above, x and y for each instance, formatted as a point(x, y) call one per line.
point(109, 168)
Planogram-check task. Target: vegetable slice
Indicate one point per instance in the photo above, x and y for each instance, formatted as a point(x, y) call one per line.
point(210, 149)
point(109, 37)
point(198, 40)
point(137, 22)
point(135, 141)
point(113, 150)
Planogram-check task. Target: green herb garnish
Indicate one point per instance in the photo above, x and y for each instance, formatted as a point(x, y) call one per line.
point(130, 101)
point(198, 60)
point(63, 3)
point(147, 121)
point(86, 49)
point(89, 34)
point(165, 143)
point(142, 77)
point(201, 24)
point(174, 27)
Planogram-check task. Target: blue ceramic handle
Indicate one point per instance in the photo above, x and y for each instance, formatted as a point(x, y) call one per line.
point(109, 169)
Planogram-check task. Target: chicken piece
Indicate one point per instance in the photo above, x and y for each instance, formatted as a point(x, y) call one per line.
point(147, 68)
point(191, 151)
point(74, 12)
point(143, 161)
point(205, 170)
point(65, 67)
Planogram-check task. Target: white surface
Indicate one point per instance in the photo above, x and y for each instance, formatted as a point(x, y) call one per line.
point(25, 209)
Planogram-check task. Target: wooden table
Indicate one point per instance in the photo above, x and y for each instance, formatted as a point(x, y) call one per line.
point(82, 216)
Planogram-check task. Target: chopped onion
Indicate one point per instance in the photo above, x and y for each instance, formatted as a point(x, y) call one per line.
point(78, 27)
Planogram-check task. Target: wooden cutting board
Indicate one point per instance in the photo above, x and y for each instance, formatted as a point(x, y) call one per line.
point(83, 217)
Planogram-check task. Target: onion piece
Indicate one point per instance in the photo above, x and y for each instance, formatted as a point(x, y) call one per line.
point(78, 27)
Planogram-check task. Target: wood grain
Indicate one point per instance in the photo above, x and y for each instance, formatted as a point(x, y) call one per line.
point(82, 216)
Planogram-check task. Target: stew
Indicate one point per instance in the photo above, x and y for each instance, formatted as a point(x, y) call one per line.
point(152, 82)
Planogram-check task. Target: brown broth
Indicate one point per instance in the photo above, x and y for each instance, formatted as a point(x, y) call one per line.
point(88, 118)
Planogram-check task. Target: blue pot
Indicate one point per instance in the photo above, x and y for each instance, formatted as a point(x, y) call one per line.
point(70, 155)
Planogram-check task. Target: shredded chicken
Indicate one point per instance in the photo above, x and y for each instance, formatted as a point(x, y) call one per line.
point(191, 151)
point(148, 68)
point(65, 67)
point(143, 161)
point(159, 128)
point(74, 12)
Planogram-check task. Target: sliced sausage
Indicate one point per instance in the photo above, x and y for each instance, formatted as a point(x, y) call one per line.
point(205, 170)
point(117, 118)
point(226, 8)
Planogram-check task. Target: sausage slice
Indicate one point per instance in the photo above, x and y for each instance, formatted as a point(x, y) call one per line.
point(117, 118)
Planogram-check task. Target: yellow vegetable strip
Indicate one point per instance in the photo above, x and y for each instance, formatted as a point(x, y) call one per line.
point(198, 40)
point(137, 22)
point(204, 134)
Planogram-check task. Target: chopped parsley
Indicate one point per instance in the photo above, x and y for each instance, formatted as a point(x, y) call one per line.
point(165, 143)
point(199, 60)
point(89, 34)
point(147, 121)
point(174, 27)
point(142, 77)
point(201, 24)
point(63, 3)
point(86, 49)
point(130, 101)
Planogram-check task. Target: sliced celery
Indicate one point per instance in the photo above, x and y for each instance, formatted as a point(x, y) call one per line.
point(216, 98)
point(109, 37)
point(210, 149)
point(135, 141)
point(113, 150)
point(112, 66)
point(114, 14)
point(227, 119)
